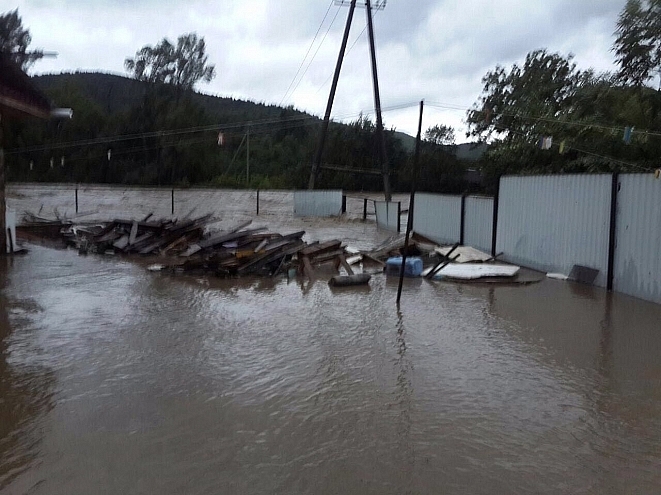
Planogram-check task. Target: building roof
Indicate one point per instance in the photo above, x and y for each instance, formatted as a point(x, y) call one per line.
point(18, 95)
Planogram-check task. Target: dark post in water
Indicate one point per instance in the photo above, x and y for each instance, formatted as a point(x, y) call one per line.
point(409, 223)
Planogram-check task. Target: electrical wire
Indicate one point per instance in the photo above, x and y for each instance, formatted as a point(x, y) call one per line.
point(347, 53)
point(585, 152)
point(315, 53)
point(307, 53)
point(254, 125)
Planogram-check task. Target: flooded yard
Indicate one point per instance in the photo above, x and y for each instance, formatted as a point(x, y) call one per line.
point(117, 380)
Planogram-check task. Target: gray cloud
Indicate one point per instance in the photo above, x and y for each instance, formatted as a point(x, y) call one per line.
point(432, 49)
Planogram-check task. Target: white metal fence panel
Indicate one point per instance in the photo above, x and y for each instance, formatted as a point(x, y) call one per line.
point(437, 217)
point(317, 203)
point(387, 215)
point(554, 222)
point(478, 222)
point(637, 269)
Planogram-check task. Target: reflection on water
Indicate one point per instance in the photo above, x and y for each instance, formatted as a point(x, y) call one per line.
point(25, 393)
point(117, 380)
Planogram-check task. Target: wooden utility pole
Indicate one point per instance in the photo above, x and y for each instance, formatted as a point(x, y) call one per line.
point(248, 157)
point(316, 166)
point(3, 205)
point(383, 157)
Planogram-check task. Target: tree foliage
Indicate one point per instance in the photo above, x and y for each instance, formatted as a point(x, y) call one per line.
point(584, 114)
point(183, 65)
point(440, 135)
point(543, 88)
point(15, 40)
point(637, 45)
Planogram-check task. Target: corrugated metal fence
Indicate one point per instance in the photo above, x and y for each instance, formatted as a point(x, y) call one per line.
point(552, 223)
point(637, 269)
point(478, 222)
point(317, 203)
point(388, 214)
point(437, 217)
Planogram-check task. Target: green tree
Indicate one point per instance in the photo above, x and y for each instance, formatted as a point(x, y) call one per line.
point(517, 104)
point(183, 65)
point(637, 46)
point(15, 40)
point(440, 135)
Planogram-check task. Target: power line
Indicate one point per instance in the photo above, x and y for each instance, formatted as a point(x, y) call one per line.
point(315, 53)
point(549, 120)
point(590, 153)
point(307, 53)
point(349, 50)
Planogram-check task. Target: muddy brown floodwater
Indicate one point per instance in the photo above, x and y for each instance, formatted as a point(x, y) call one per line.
point(117, 380)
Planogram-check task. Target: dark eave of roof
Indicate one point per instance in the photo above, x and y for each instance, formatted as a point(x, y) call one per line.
point(18, 95)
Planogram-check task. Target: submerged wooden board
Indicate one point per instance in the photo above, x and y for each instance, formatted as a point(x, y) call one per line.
point(474, 271)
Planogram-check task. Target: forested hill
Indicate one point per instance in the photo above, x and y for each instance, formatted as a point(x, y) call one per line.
point(116, 94)
point(132, 132)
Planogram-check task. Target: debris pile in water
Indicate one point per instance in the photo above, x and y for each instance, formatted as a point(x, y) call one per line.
point(187, 246)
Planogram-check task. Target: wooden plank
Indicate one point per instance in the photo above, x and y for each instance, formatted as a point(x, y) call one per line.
point(179, 242)
point(261, 245)
point(260, 261)
point(373, 259)
point(133, 234)
point(238, 227)
point(166, 239)
point(122, 242)
point(325, 246)
point(142, 225)
point(141, 240)
point(308, 271)
point(108, 229)
point(219, 239)
point(325, 257)
point(110, 236)
point(346, 265)
point(283, 241)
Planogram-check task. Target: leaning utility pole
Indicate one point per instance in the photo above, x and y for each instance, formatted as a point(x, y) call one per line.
point(324, 128)
point(377, 107)
point(316, 166)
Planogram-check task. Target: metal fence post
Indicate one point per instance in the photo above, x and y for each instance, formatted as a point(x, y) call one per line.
point(463, 220)
point(257, 202)
point(365, 209)
point(612, 231)
point(494, 229)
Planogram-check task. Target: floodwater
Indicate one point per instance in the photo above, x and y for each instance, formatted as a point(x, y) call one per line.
point(117, 380)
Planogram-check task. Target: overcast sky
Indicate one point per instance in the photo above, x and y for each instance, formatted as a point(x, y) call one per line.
point(436, 50)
